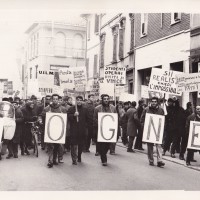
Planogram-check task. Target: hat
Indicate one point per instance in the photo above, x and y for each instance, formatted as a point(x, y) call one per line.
point(33, 97)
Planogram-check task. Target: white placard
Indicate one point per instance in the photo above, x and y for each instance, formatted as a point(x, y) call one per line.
point(55, 128)
point(153, 128)
point(144, 91)
point(164, 81)
point(9, 126)
point(114, 74)
point(107, 127)
point(194, 135)
point(126, 97)
point(80, 78)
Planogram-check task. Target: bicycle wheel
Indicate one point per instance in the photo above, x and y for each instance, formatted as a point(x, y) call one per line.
point(35, 145)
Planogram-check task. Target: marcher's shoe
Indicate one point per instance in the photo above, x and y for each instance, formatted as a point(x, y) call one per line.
point(88, 151)
point(160, 164)
point(151, 163)
point(93, 143)
point(68, 150)
point(112, 153)
point(193, 160)
point(181, 157)
point(173, 156)
point(96, 154)
point(163, 153)
point(60, 161)
point(50, 165)
point(9, 156)
point(55, 163)
point(22, 153)
point(104, 164)
point(141, 149)
point(27, 152)
point(15, 156)
point(79, 159)
point(188, 163)
point(43, 148)
point(130, 150)
point(74, 163)
point(135, 147)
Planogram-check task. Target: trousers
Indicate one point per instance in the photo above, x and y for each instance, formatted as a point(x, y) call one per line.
point(150, 152)
point(103, 150)
point(55, 151)
point(76, 151)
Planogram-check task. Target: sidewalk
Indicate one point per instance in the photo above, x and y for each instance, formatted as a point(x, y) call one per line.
point(194, 165)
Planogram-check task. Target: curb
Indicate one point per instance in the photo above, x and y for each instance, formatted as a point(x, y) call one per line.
point(164, 158)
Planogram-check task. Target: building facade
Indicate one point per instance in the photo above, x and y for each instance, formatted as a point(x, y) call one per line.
point(52, 46)
point(162, 40)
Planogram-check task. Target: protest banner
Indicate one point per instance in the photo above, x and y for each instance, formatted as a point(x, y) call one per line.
point(80, 78)
point(164, 81)
point(144, 91)
point(105, 88)
point(94, 89)
point(194, 135)
point(66, 78)
point(46, 82)
point(114, 74)
point(188, 82)
point(153, 128)
point(107, 127)
point(127, 97)
point(55, 128)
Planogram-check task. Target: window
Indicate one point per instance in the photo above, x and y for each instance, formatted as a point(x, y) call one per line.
point(30, 73)
point(175, 17)
point(78, 51)
point(121, 38)
point(115, 38)
point(95, 66)
point(144, 19)
point(131, 15)
point(36, 71)
point(96, 24)
point(102, 45)
point(130, 86)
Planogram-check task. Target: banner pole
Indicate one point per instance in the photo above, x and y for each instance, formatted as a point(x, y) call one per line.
point(115, 94)
point(76, 105)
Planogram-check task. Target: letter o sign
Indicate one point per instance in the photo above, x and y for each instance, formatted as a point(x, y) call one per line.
point(49, 130)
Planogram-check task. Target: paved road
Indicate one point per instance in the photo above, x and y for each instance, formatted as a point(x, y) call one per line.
point(125, 171)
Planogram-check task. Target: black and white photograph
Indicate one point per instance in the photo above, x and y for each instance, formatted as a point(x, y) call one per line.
point(99, 100)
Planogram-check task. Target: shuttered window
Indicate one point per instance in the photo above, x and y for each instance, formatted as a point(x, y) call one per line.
point(95, 65)
point(96, 25)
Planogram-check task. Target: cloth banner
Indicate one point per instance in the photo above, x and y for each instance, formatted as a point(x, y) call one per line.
point(164, 81)
point(114, 74)
point(55, 128)
point(188, 82)
point(107, 127)
point(194, 135)
point(153, 128)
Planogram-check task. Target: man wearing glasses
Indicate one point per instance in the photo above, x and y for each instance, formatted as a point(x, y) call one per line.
point(154, 108)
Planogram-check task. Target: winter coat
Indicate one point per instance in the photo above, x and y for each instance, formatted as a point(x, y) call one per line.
point(28, 117)
point(132, 122)
point(77, 129)
point(90, 109)
point(19, 119)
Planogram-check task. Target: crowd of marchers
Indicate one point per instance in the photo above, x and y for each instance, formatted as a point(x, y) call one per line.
point(82, 132)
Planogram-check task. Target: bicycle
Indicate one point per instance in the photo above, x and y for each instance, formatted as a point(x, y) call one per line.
point(36, 135)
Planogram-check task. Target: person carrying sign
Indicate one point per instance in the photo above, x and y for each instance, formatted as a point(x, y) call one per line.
point(153, 109)
point(54, 150)
point(105, 107)
point(78, 119)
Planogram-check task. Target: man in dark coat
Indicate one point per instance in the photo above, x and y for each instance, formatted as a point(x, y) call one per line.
point(153, 109)
point(124, 125)
point(78, 119)
point(90, 109)
point(105, 107)
point(27, 135)
point(132, 125)
point(13, 144)
point(55, 150)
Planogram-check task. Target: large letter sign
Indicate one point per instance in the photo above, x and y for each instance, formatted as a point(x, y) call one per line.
point(107, 127)
point(194, 136)
point(153, 128)
point(55, 128)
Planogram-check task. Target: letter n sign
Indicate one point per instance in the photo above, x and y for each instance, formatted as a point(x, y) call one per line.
point(107, 127)
point(153, 128)
point(55, 128)
point(194, 136)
